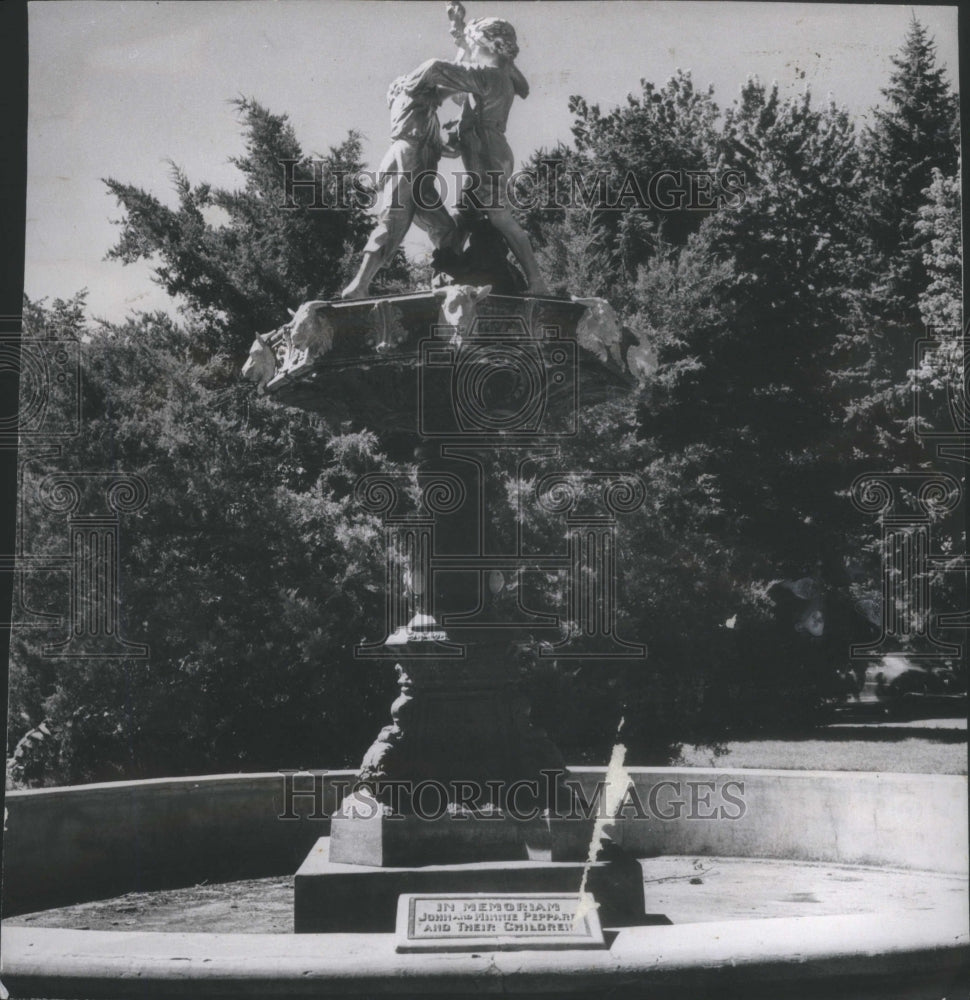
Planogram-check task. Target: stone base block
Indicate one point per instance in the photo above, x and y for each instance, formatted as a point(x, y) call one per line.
point(332, 897)
point(366, 836)
point(557, 839)
point(405, 841)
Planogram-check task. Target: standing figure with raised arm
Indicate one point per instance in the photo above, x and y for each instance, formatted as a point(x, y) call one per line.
point(486, 72)
point(409, 165)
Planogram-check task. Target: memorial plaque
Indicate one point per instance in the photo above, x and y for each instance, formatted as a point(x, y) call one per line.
point(484, 921)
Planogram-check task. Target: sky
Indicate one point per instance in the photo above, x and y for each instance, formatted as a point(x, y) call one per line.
point(118, 89)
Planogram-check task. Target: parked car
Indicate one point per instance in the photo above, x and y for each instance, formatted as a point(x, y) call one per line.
point(897, 681)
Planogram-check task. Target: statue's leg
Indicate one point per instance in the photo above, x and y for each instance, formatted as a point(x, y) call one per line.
point(519, 244)
point(393, 222)
point(360, 285)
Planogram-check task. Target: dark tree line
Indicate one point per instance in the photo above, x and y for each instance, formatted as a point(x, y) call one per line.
point(783, 329)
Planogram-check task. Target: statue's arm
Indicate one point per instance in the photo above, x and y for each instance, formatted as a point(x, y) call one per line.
point(456, 15)
point(449, 77)
point(519, 82)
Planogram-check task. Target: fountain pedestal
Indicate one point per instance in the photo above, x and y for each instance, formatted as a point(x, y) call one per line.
point(461, 792)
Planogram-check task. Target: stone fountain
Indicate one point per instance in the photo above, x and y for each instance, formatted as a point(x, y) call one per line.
point(434, 808)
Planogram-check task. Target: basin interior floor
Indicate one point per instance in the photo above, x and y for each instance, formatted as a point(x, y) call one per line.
point(687, 889)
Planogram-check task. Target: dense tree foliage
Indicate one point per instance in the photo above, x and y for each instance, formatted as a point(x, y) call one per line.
point(248, 573)
point(783, 324)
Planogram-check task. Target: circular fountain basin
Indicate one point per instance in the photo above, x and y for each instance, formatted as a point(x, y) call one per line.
point(827, 883)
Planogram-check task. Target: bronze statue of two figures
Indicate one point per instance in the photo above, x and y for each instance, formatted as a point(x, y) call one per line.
point(483, 83)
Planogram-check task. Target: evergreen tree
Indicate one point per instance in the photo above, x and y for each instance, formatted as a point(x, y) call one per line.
point(616, 174)
point(916, 133)
point(277, 246)
point(938, 226)
point(576, 254)
point(939, 378)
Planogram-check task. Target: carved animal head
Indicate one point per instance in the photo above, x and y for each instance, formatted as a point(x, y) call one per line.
point(260, 366)
point(308, 334)
point(599, 329)
point(641, 357)
point(459, 304)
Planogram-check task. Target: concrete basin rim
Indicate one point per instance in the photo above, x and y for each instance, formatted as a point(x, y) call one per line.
point(784, 949)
